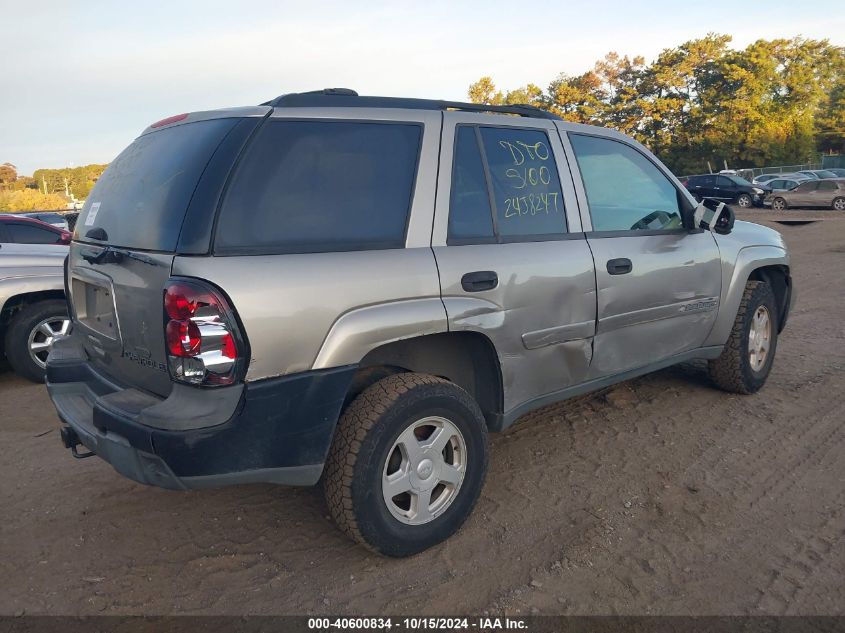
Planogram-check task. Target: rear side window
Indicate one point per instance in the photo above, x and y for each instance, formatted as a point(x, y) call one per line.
point(318, 186)
point(508, 174)
point(21, 233)
point(141, 199)
point(625, 190)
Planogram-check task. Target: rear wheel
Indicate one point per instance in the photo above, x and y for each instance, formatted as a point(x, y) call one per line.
point(744, 201)
point(407, 464)
point(31, 334)
point(779, 204)
point(747, 358)
point(839, 204)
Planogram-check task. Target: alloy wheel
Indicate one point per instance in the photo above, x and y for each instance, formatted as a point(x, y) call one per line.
point(42, 336)
point(424, 470)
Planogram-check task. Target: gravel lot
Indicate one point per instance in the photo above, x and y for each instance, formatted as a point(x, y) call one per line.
point(659, 496)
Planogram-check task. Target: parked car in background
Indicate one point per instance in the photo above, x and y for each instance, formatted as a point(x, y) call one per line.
point(33, 310)
point(818, 174)
point(813, 193)
point(783, 184)
point(727, 188)
point(762, 178)
point(21, 229)
point(840, 172)
point(50, 217)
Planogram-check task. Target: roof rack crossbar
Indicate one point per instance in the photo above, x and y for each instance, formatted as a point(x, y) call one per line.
point(346, 98)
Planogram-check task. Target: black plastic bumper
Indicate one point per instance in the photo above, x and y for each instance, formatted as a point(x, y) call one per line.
point(276, 430)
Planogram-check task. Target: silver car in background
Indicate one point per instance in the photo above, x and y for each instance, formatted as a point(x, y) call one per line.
point(33, 309)
point(826, 194)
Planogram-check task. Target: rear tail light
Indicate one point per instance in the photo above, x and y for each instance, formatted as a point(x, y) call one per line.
point(204, 345)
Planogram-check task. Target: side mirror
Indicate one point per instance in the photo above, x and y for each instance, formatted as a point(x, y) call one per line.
point(65, 237)
point(714, 216)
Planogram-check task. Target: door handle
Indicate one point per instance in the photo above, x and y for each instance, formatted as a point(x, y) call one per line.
point(621, 266)
point(479, 280)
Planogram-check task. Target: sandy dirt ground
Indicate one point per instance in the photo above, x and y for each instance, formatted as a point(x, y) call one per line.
point(661, 495)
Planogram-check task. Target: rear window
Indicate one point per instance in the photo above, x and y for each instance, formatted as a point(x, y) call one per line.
point(318, 186)
point(141, 199)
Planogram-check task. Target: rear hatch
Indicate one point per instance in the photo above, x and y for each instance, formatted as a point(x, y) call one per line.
point(124, 244)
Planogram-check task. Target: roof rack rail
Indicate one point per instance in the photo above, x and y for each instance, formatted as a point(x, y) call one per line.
point(346, 98)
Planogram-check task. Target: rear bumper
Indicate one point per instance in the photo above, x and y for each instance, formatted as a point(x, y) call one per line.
point(277, 430)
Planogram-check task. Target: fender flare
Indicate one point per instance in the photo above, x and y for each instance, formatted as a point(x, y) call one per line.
point(749, 259)
point(22, 284)
point(360, 331)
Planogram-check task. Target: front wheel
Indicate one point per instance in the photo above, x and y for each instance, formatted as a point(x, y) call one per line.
point(748, 355)
point(744, 201)
point(779, 204)
point(407, 464)
point(31, 334)
point(839, 204)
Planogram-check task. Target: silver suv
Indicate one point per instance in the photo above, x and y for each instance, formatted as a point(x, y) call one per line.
point(355, 290)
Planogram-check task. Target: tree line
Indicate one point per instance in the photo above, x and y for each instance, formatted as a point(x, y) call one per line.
point(776, 102)
point(47, 189)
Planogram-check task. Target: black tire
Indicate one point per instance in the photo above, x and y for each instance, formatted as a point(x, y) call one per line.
point(838, 204)
point(733, 371)
point(745, 201)
point(363, 444)
point(779, 204)
point(20, 328)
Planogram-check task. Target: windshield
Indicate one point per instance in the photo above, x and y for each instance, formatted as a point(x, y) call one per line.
point(141, 199)
point(826, 174)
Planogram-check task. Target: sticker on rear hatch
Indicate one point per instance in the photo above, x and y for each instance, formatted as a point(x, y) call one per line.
point(92, 214)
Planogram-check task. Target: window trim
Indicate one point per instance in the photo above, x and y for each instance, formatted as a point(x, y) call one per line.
point(497, 237)
point(681, 195)
point(292, 249)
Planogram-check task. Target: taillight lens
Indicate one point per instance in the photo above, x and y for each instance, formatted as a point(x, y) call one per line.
point(204, 345)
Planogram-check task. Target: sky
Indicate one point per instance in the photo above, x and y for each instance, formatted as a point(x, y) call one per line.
point(81, 79)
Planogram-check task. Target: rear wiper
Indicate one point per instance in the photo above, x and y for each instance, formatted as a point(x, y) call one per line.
point(111, 255)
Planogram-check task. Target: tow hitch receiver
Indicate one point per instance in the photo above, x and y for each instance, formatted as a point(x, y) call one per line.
point(71, 440)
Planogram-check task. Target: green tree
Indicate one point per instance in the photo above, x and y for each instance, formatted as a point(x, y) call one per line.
point(8, 175)
point(774, 102)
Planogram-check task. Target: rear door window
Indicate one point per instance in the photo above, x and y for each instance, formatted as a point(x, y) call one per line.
point(141, 199)
point(826, 185)
point(319, 186)
point(524, 181)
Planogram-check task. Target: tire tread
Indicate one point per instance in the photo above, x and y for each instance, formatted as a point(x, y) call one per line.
point(354, 424)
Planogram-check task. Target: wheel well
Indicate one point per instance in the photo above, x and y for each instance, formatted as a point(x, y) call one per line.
point(16, 303)
point(779, 280)
point(467, 359)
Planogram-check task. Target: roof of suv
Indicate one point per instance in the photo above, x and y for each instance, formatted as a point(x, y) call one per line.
point(346, 98)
